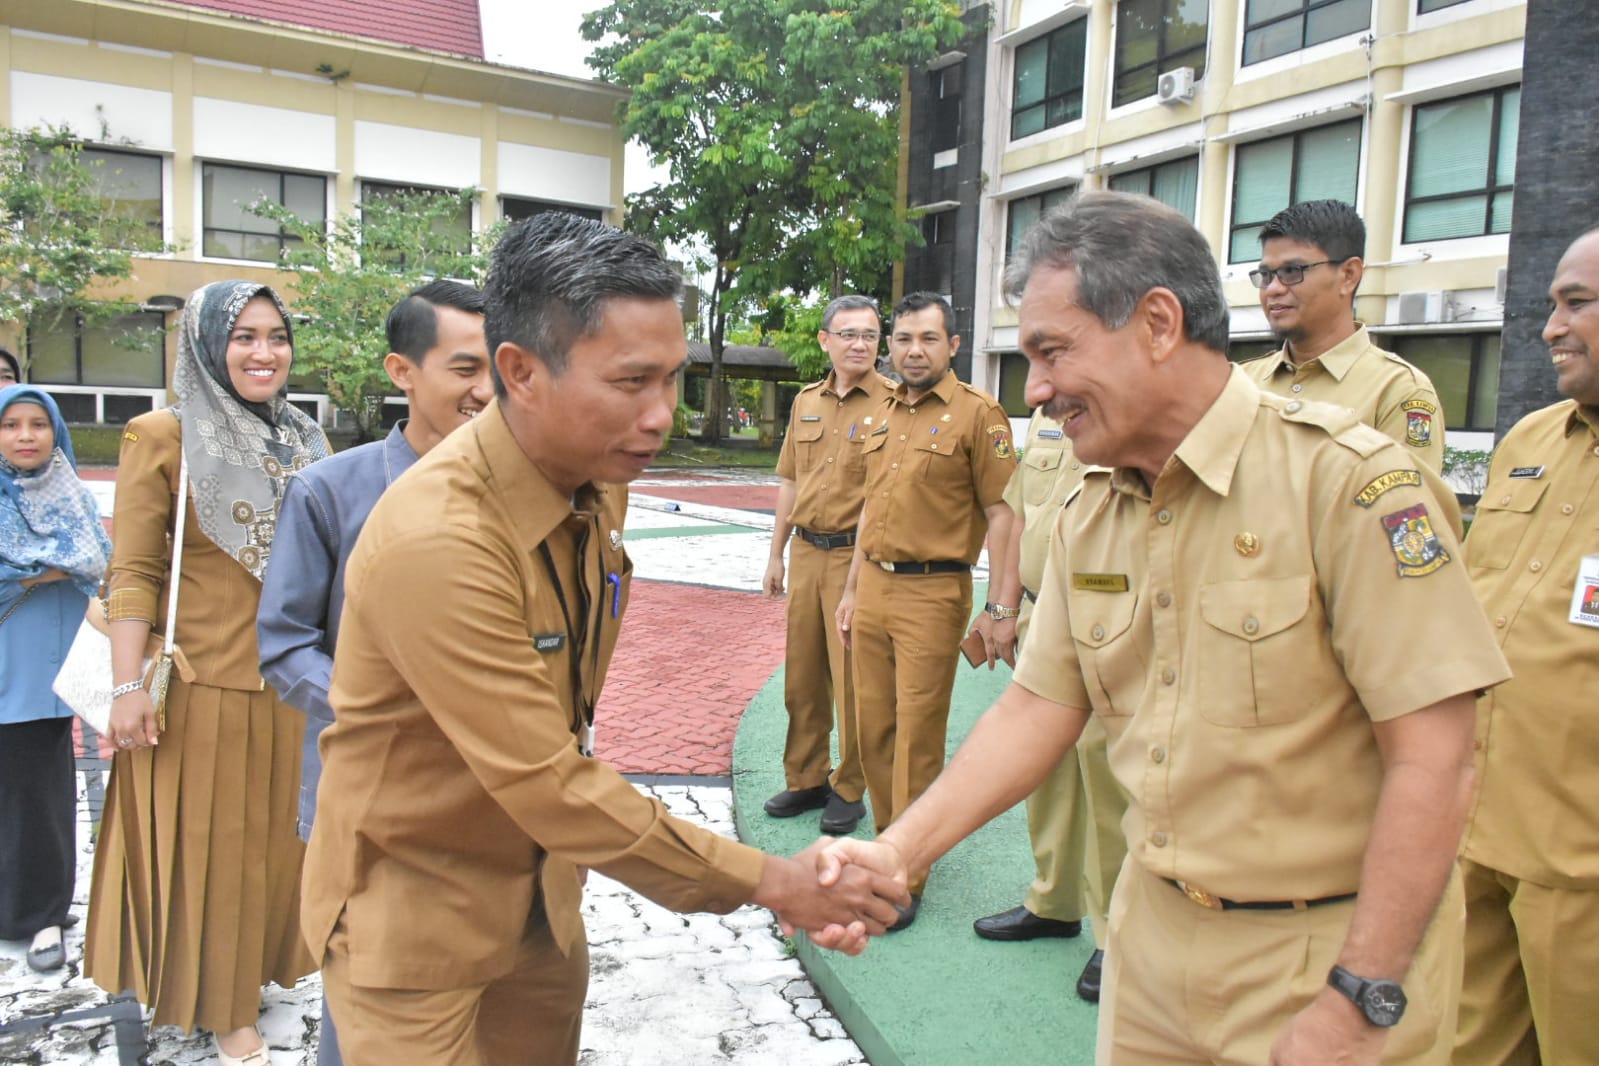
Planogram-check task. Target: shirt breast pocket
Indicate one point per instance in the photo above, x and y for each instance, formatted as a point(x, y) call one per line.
point(1113, 669)
point(1257, 657)
point(1040, 464)
point(1504, 516)
point(938, 460)
point(807, 444)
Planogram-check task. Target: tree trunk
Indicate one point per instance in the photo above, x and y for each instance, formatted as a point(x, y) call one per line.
point(716, 391)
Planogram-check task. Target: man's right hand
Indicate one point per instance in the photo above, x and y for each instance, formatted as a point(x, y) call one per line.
point(835, 859)
point(845, 615)
point(841, 914)
point(772, 583)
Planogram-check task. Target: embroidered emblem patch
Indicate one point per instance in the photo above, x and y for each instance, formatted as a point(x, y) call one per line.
point(1418, 422)
point(128, 434)
point(1391, 480)
point(1416, 547)
point(1527, 472)
point(1000, 435)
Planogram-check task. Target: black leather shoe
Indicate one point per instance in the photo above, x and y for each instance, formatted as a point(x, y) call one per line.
point(842, 815)
point(907, 915)
point(788, 803)
point(1019, 923)
point(1088, 983)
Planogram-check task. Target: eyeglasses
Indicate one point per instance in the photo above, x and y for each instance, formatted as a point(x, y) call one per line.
point(1292, 274)
point(850, 336)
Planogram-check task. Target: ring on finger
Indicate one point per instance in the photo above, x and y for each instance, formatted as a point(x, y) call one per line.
point(125, 742)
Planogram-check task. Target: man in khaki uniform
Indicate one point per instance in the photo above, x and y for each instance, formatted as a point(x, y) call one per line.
point(1531, 853)
point(824, 479)
point(938, 456)
point(457, 804)
point(1284, 648)
point(1310, 267)
point(1074, 817)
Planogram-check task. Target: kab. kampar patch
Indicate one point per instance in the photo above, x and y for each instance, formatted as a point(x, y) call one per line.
point(1000, 435)
point(1391, 480)
point(1416, 547)
point(1418, 422)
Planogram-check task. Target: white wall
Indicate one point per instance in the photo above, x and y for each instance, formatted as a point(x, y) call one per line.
point(142, 117)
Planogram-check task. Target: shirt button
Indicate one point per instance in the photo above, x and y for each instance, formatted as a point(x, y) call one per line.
point(1567, 509)
point(1504, 500)
point(935, 447)
point(1163, 516)
point(1163, 598)
point(1158, 755)
point(1500, 621)
point(830, 458)
point(1298, 387)
point(1168, 676)
point(1535, 566)
point(913, 411)
point(1292, 406)
point(892, 466)
point(1098, 632)
point(1251, 626)
point(902, 436)
point(1596, 451)
point(1158, 839)
point(1077, 466)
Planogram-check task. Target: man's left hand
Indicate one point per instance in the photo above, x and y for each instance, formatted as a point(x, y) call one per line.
point(1329, 1032)
point(999, 638)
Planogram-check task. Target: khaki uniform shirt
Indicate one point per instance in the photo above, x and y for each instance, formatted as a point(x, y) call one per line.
point(823, 452)
point(931, 469)
point(1045, 477)
point(1536, 812)
point(455, 805)
point(1381, 388)
point(1282, 587)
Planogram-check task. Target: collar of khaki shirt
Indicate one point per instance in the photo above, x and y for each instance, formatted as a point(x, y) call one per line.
point(830, 383)
point(536, 507)
point(1583, 415)
point(1212, 448)
point(944, 390)
point(1335, 360)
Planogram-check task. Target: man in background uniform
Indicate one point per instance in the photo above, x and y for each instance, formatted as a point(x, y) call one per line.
point(938, 456)
point(1531, 853)
point(824, 479)
point(1074, 817)
point(1310, 267)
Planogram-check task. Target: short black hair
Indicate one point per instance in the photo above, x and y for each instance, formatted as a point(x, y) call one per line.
point(551, 277)
point(16, 367)
point(1331, 225)
point(413, 325)
point(921, 301)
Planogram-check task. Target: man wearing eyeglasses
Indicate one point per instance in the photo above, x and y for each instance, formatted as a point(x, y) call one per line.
point(1310, 267)
point(824, 481)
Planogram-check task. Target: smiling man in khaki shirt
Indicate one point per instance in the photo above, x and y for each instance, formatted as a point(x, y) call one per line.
point(1284, 649)
point(458, 801)
point(1531, 853)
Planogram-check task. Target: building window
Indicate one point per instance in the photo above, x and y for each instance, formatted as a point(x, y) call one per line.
point(129, 185)
point(1175, 184)
point(1436, 5)
point(1315, 164)
point(1023, 213)
point(1013, 384)
point(1245, 350)
point(122, 351)
point(453, 229)
point(938, 258)
point(515, 209)
point(1462, 166)
point(945, 86)
point(1152, 37)
point(1464, 368)
point(1277, 27)
point(231, 231)
point(1048, 87)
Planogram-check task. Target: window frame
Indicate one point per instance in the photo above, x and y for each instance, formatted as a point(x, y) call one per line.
point(79, 324)
point(1043, 40)
point(944, 95)
point(397, 188)
point(1475, 376)
point(1234, 225)
point(1302, 12)
point(1150, 170)
point(157, 226)
point(1162, 62)
point(281, 236)
point(937, 255)
point(1489, 193)
point(1427, 7)
point(596, 214)
point(1012, 239)
point(1003, 359)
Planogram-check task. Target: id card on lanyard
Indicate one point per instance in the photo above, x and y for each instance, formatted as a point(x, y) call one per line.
point(1585, 595)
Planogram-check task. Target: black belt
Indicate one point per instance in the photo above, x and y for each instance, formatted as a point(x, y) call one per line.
point(826, 541)
point(1216, 903)
point(940, 567)
point(1029, 595)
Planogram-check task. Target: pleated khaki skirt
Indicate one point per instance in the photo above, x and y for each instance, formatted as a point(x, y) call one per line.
point(195, 898)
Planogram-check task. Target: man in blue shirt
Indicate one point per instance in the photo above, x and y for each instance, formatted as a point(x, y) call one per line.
point(438, 358)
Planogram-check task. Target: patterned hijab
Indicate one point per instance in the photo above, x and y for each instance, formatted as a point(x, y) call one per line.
point(240, 453)
point(47, 518)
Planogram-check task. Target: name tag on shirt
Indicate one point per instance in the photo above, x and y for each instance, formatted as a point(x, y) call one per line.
point(547, 643)
point(1050, 434)
point(810, 418)
point(1527, 472)
point(1585, 596)
point(1100, 582)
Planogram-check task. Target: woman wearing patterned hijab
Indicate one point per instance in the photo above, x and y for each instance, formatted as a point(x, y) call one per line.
point(53, 551)
point(195, 897)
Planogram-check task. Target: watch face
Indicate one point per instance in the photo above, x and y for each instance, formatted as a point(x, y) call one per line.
point(1384, 1003)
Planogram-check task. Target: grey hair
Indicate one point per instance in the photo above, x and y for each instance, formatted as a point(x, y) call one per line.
point(1122, 245)
point(551, 277)
point(850, 303)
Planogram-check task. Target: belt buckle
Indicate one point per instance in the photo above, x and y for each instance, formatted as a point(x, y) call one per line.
point(1200, 896)
point(886, 566)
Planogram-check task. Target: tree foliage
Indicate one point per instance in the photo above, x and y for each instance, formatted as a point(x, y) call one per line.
point(778, 123)
point(348, 274)
point(65, 237)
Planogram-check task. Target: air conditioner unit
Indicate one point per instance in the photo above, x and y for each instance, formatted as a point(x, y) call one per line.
point(1176, 86)
point(1419, 308)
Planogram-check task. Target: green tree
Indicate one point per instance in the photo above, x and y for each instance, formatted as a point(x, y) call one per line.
point(347, 274)
point(778, 123)
point(69, 243)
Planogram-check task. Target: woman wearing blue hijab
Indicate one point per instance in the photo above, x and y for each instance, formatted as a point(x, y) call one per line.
point(53, 550)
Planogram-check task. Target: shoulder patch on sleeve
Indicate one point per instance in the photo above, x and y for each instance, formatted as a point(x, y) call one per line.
point(1416, 547)
point(1381, 484)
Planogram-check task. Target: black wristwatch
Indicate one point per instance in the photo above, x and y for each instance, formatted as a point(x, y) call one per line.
point(1382, 1002)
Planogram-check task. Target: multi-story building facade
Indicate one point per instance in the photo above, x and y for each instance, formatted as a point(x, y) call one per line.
point(1230, 110)
point(198, 109)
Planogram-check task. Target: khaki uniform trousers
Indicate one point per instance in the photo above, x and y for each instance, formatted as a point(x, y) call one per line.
point(1074, 823)
point(816, 674)
point(1531, 992)
point(532, 1014)
point(1186, 984)
point(906, 637)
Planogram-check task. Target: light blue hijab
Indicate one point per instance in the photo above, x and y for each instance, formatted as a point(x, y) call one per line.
point(47, 518)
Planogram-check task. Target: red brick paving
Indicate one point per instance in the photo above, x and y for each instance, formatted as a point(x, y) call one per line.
point(689, 661)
